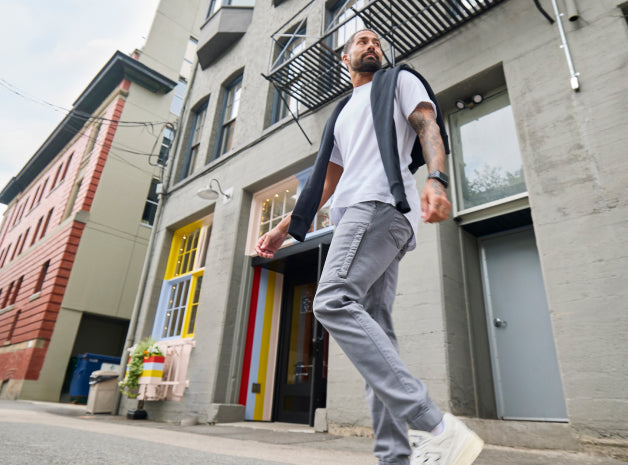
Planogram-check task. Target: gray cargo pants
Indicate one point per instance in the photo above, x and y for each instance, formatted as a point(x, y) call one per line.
point(354, 303)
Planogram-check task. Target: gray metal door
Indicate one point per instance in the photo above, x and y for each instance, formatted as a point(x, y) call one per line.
point(525, 367)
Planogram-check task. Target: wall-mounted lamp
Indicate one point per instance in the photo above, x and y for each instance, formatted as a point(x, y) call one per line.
point(469, 103)
point(212, 193)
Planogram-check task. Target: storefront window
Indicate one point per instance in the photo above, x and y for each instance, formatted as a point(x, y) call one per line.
point(180, 291)
point(273, 204)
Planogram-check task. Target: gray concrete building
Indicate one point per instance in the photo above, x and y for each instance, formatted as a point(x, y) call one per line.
point(513, 311)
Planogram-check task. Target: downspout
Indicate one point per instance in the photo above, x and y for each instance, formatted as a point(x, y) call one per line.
point(575, 85)
point(133, 323)
point(130, 335)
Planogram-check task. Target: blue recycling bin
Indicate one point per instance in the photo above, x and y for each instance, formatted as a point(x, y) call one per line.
point(86, 364)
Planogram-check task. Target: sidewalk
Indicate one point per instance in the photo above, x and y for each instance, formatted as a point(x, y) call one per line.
point(233, 443)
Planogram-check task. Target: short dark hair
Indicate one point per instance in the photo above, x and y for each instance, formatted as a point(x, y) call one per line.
point(349, 42)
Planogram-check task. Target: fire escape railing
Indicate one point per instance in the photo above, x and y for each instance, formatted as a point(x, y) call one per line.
point(316, 75)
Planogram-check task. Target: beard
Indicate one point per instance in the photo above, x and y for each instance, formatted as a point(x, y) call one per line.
point(368, 65)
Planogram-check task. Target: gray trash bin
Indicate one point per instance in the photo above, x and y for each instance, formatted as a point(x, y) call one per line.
point(103, 385)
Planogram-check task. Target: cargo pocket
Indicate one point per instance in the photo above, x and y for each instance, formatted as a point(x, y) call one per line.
point(343, 271)
point(400, 231)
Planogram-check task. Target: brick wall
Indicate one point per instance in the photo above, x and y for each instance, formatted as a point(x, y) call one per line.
point(38, 230)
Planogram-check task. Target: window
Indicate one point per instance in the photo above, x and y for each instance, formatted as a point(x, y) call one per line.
point(179, 94)
point(43, 230)
point(278, 202)
point(7, 296)
point(185, 74)
point(14, 212)
point(28, 230)
point(43, 188)
point(152, 200)
point(16, 291)
point(54, 180)
point(37, 230)
point(230, 108)
point(486, 159)
point(342, 11)
point(166, 143)
point(288, 48)
point(92, 140)
point(35, 197)
point(180, 293)
point(187, 67)
point(42, 277)
point(215, 5)
point(271, 205)
point(69, 207)
point(6, 255)
point(198, 120)
point(17, 246)
point(65, 170)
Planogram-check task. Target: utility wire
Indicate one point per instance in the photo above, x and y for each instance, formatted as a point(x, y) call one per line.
point(77, 113)
point(82, 132)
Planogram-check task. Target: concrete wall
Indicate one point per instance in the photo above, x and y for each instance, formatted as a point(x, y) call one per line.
point(571, 145)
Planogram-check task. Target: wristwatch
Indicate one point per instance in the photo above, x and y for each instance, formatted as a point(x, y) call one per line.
point(440, 177)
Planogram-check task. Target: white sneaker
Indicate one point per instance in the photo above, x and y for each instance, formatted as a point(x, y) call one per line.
point(456, 445)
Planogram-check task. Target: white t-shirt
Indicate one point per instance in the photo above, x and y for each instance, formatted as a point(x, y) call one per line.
point(356, 150)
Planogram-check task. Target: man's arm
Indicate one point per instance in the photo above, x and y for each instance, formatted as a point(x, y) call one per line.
point(435, 205)
point(270, 242)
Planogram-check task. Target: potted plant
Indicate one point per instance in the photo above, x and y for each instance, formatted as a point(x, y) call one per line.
point(145, 349)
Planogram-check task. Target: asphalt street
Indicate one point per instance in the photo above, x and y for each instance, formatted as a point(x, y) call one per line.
point(47, 433)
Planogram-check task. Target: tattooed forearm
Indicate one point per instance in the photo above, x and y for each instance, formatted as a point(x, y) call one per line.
point(437, 187)
point(423, 121)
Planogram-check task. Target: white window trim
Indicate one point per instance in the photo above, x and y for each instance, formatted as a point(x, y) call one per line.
point(256, 213)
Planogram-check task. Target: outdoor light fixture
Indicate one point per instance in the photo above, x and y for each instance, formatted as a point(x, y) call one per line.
point(469, 103)
point(212, 193)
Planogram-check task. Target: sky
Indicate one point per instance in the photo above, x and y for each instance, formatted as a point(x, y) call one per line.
point(51, 50)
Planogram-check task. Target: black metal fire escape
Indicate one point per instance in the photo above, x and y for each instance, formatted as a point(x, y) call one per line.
point(316, 75)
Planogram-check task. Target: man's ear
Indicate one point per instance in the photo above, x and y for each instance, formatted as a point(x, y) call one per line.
point(345, 60)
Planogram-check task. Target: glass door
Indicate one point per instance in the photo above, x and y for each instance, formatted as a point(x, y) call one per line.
point(301, 385)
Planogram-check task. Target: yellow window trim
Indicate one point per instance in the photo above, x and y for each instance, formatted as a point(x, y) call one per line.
point(176, 244)
point(188, 307)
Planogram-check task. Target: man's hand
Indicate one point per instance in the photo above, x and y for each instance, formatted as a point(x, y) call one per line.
point(435, 205)
point(270, 243)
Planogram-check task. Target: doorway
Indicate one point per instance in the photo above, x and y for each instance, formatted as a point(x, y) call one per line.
point(301, 385)
point(523, 356)
point(295, 354)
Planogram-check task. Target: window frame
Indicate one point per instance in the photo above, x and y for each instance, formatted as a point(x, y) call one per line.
point(234, 86)
point(178, 96)
point(256, 211)
point(166, 144)
point(280, 110)
point(494, 207)
point(194, 275)
point(189, 60)
point(216, 5)
point(43, 271)
point(194, 142)
point(335, 12)
point(150, 203)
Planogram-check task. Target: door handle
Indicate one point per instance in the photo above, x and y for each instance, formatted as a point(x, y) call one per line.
point(499, 323)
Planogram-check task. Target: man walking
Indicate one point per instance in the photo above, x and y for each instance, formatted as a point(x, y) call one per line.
point(372, 143)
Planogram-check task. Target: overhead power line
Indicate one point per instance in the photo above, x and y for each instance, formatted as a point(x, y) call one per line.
point(77, 113)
